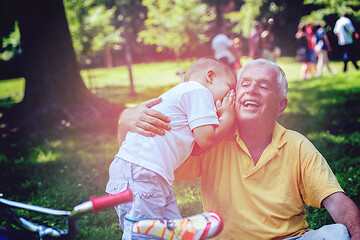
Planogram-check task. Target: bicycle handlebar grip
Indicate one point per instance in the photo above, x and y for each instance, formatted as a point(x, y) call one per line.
point(108, 201)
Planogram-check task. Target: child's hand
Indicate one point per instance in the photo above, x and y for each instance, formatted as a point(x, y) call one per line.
point(225, 108)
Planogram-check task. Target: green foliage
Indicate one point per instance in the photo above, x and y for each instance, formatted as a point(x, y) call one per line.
point(244, 20)
point(11, 44)
point(90, 25)
point(11, 91)
point(337, 7)
point(176, 24)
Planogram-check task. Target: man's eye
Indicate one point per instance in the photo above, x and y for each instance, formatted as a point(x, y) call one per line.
point(245, 84)
point(264, 86)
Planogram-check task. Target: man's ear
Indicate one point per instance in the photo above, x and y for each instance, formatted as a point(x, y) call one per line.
point(210, 74)
point(282, 105)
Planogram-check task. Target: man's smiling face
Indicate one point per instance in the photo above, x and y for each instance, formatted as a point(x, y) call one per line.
point(258, 94)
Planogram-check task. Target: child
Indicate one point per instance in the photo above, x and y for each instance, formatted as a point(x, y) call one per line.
point(146, 164)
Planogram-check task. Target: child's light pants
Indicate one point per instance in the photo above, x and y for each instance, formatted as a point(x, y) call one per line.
point(153, 196)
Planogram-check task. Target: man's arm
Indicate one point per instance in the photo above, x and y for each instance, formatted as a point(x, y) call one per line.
point(343, 210)
point(142, 120)
point(208, 136)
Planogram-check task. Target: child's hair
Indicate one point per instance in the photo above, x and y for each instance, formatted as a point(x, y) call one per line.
point(205, 63)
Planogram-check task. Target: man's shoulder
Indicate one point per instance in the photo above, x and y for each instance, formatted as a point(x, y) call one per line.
point(293, 136)
point(293, 133)
point(298, 141)
point(219, 36)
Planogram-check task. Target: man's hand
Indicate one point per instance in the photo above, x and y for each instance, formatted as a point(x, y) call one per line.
point(143, 120)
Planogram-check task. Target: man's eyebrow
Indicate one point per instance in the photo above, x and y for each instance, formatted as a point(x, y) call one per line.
point(244, 79)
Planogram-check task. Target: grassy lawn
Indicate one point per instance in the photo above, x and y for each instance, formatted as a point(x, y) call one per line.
point(63, 172)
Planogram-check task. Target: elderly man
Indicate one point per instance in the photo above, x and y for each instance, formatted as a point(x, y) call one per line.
point(260, 178)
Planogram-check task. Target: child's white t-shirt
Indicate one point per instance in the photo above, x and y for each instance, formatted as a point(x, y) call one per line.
point(188, 105)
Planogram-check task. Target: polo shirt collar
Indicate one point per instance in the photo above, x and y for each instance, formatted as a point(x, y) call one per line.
point(277, 142)
point(278, 139)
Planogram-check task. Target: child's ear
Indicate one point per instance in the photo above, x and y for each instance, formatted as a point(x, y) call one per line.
point(210, 74)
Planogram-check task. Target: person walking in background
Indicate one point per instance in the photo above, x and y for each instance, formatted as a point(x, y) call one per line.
point(311, 44)
point(267, 38)
point(224, 49)
point(322, 48)
point(255, 44)
point(344, 30)
point(304, 53)
point(237, 42)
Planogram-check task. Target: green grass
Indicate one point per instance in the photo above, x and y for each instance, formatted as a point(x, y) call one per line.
point(62, 172)
point(150, 81)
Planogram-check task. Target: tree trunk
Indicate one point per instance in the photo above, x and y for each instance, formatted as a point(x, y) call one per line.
point(128, 55)
point(54, 90)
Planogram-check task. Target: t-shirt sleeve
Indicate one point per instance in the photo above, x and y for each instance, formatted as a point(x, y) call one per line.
point(318, 180)
point(199, 107)
point(349, 27)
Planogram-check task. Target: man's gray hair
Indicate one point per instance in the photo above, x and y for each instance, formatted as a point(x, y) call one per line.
point(283, 84)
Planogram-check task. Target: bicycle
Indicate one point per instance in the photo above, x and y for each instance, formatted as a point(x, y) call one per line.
point(198, 227)
point(28, 230)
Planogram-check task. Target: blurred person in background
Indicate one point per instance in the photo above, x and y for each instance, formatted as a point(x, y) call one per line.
point(322, 48)
point(255, 43)
point(304, 52)
point(311, 44)
point(267, 38)
point(238, 46)
point(344, 30)
point(224, 49)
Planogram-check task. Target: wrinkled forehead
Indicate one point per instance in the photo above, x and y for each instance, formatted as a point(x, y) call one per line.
point(257, 71)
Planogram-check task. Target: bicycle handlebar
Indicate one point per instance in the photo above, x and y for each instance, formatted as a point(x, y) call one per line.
point(105, 202)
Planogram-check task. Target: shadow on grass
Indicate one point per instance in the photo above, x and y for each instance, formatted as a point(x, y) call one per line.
point(314, 108)
point(60, 174)
point(327, 111)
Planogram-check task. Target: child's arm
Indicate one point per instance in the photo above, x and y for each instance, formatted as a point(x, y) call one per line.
point(208, 136)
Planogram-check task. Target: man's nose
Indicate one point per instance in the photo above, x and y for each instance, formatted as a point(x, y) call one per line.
point(252, 89)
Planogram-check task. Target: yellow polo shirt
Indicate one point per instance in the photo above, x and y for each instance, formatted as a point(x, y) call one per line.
point(266, 201)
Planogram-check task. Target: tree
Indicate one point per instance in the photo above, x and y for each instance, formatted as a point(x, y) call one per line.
point(92, 30)
point(221, 7)
point(54, 92)
point(176, 24)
